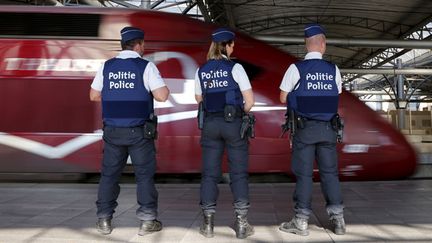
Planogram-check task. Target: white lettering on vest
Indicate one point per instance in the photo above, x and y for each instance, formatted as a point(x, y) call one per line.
point(214, 74)
point(121, 85)
point(319, 86)
point(121, 75)
point(212, 79)
point(120, 80)
point(319, 76)
point(215, 84)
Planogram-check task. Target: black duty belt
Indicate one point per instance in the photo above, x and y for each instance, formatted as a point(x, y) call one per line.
point(221, 114)
point(109, 126)
point(214, 114)
point(309, 119)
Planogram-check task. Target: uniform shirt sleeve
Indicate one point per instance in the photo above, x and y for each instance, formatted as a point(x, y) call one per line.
point(152, 78)
point(290, 79)
point(97, 83)
point(198, 90)
point(240, 76)
point(338, 80)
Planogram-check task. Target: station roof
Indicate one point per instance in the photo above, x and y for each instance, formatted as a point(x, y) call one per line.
point(367, 19)
point(370, 19)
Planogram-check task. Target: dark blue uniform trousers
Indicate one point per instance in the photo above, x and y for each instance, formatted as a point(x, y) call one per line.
point(317, 140)
point(216, 136)
point(119, 143)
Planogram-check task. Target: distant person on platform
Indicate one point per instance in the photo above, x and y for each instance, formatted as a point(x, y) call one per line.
point(224, 106)
point(312, 87)
point(126, 85)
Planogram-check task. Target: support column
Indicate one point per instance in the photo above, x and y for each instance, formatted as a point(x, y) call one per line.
point(400, 99)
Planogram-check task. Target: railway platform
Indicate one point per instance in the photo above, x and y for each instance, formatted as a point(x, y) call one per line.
point(383, 211)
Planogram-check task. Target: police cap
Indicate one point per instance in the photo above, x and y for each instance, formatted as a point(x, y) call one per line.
point(313, 29)
point(222, 34)
point(131, 33)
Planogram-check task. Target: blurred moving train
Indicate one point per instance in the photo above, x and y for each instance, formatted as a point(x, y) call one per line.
point(49, 55)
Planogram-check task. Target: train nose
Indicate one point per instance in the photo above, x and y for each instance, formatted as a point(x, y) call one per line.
point(372, 148)
point(384, 155)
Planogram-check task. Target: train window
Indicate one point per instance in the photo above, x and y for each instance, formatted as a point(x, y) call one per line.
point(251, 69)
point(49, 24)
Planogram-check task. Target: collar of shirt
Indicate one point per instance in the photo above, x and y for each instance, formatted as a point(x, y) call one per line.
point(128, 54)
point(223, 56)
point(313, 55)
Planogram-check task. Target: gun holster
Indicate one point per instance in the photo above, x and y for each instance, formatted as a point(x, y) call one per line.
point(247, 128)
point(252, 121)
point(201, 115)
point(292, 123)
point(338, 125)
point(150, 127)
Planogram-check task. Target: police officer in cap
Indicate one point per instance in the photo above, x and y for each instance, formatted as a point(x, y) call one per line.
point(127, 85)
point(224, 88)
point(312, 87)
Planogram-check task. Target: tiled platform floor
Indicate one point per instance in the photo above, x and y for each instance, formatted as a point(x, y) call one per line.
point(390, 211)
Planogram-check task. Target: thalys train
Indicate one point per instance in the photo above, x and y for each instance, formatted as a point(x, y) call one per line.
point(49, 56)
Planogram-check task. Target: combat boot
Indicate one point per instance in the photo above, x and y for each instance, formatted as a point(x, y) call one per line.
point(103, 225)
point(338, 225)
point(242, 227)
point(149, 226)
point(296, 226)
point(207, 226)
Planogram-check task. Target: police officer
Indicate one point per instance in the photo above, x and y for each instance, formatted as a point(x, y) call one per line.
point(126, 85)
point(224, 88)
point(312, 87)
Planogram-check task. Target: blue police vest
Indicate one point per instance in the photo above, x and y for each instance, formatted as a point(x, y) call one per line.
point(218, 85)
point(125, 100)
point(316, 94)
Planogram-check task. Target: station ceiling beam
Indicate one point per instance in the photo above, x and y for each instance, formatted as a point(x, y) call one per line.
point(220, 12)
point(124, 3)
point(190, 6)
point(372, 43)
point(390, 71)
point(155, 4)
point(205, 11)
point(382, 56)
point(267, 24)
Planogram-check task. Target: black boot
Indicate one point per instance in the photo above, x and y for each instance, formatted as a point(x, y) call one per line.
point(296, 226)
point(207, 226)
point(242, 228)
point(149, 226)
point(338, 225)
point(103, 225)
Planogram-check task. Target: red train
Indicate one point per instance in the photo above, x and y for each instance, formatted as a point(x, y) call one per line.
point(49, 55)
